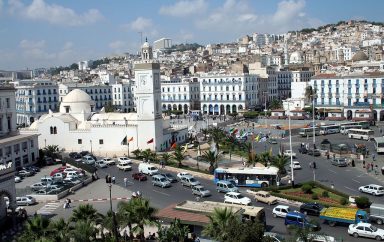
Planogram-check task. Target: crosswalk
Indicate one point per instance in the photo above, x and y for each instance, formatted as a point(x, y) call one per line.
point(49, 208)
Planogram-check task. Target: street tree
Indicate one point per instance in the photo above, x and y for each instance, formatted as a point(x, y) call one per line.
point(176, 232)
point(280, 161)
point(219, 225)
point(35, 229)
point(166, 158)
point(205, 132)
point(144, 215)
point(125, 210)
point(60, 230)
point(137, 153)
point(212, 158)
point(86, 212)
point(146, 154)
point(178, 155)
point(52, 151)
point(84, 230)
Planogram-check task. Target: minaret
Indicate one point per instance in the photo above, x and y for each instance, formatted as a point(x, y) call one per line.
point(148, 94)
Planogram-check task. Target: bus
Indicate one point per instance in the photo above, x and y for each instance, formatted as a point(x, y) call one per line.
point(379, 144)
point(366, 134)
point(364, 124)
point(344, 128)
point(329, 129)
point(248, 176)
point(306, 132)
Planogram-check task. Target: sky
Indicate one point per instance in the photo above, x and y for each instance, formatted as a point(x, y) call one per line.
point(43, 33)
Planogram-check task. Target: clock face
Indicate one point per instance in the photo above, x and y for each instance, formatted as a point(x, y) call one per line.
point(143, 80)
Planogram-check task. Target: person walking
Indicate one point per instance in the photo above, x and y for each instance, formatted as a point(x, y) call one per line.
point(372, 166)
point(125, 181)
point(373, 157)
point(114, 180)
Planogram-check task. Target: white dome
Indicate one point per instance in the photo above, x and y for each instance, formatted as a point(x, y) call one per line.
point(295, 58)
point(145, 45)
point(77, 103)
point(76, 96)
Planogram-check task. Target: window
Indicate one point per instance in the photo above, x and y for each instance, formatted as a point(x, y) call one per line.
point(8, 102)
point(79, 141)
point(55, 130)
point(51, 130)
point(101, 141)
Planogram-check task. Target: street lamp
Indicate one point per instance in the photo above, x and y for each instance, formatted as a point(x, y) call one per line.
point(290, 144)
point(90, 141)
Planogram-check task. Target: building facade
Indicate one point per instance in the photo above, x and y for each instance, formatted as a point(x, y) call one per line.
point(122, 96)
point(35, 97)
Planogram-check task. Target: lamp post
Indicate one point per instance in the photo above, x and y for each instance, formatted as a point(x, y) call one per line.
point(290, 145)
point(113, 213)
point(90, 141)
point(265, 108)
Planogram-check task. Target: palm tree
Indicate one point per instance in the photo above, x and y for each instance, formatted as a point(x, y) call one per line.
point(252, 158)
point(60, 230)
point(176, 232)
point(146, 154)
point(265, 158)
point(231, 143)
point(154, 157)
point(178, 155)
point(219, 224)
point(212, 158)
point(84, 231)
point(126, 212)
point(217, 135)
point(36, 228)
point(52, 151)
point(86, 212)
point(166, 158)
point(310, 93)
point(144, 215)
point(205, 133)
point(137, 153)
point(280, 161)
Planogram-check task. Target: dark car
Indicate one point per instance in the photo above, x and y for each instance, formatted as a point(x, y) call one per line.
point(314, 152)
point(311, 209)
point(84, 153)
point(139, 176)
point(75, 155)
point(169, 177)
point(34, 168)
point(32, 171)
point(303, 150)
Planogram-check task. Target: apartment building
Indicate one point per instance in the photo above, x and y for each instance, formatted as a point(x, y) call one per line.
point(122, 96)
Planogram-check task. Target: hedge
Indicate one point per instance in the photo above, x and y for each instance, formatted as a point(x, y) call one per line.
point(305, 200)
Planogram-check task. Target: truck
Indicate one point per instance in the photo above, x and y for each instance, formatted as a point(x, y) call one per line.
point(376, 213)
point(334, 215)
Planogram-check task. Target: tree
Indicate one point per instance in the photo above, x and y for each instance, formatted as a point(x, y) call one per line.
point(166, 158)
point(275, 104)
point(178, 155)
point(205, 133)
point(86, 212)
point(175, 233)
point(52, 151)
point(109, 108)
point(127, 213)
point(246, 231)
point(310, 93)
point(74, 66)
point(280, 161)
point(217, 135)
point(219, 225)
point(144, 215)
point(36, 229)
point(212, 158)
point(231, 143)
point(146, 154)
point(84, 231)
point(137, 153)
point(60, 230)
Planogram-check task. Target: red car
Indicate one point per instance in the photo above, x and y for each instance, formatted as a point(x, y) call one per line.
point(139, 176)
point(57, 170)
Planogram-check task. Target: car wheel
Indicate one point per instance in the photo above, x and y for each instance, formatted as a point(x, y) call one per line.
point(378, 238)
point(256, 200)
point(356, 235)
point(379, 222)
point(305, 212)
point(274, 215)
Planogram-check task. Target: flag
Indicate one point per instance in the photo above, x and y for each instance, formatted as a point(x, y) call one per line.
point(131, 139)
point(173, 146)
point(257, 138)
point(185, 148)
point(150, 141)
point(241, 132)
point(235, 131)
point(231, 130)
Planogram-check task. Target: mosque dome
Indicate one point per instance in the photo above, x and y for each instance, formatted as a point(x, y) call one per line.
point(76, 96)
point(295, 58)
point(360, 56)
point(77, 102)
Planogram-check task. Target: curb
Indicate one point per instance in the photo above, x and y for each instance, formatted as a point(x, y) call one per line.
point(88, 200)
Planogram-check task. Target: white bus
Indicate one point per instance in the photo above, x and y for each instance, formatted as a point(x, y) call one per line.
point(344, 128)
point(306, 132)
point(379, 144)
point(365, 134)
point(329, 129)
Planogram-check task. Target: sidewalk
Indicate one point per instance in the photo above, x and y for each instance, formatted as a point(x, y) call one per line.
point(379, 162)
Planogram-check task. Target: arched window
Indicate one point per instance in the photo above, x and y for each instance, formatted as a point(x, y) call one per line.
point(55, 130)
point(51, 130)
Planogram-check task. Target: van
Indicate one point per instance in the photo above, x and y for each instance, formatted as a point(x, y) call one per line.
point(158, 180)
point(226, 186)
point(148, 169)
point(299, 220)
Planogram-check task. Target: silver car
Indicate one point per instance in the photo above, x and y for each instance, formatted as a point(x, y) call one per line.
point(25, 201)
point(189, 181)
point(200, 191)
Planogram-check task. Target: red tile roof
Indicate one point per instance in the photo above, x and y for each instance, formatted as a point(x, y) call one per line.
point(170, 213)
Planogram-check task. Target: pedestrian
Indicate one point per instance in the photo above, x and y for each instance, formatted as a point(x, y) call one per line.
point(353, 163)
point(372, 166)
point(368, 168)
point(363, 163)
point(243, 163)
point(114, 180)
point(376, 170)
point(334, 156)
point(125, 181)
point(69, 202)
point(373, 157)
point(367, 152)
point(381, 131)
point(314, 165)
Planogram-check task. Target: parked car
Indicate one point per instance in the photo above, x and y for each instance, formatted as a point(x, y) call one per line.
point(71, 181)
point(69, 169)
point(272, 141)
point(265, 197)
point(200, 191)
point(101, 164)
point(280, 211)
point(58, 176)
point(373, 189)
point(299, 220)
point(48, 161)
point(365, 230)
point(42, 192)
point(341, 161)
point(46, 180)
point(296, 165)
point(109, 161)
point(38, 186)
point(139, 176)
point(311, 209)
point(124, 167)
point(169, 177)
point(314, 152)
point(319, 238)
point(84, 153)
point(34, 168)
point(24, 173)
point(237, 198)
point(17, 179)
point(73, 174)
point(303, 150)
point(88, 160)
point(189, 181)
point(124, 159)
point(60, 169)
point(274, 237)
point(160, 181)
point(25, 201)
point(289, 152)
point(76, 156)
point(181, 174)
point(54, 188)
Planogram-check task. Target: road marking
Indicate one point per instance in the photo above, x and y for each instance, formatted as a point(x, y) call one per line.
point(48, 208)
point(332, 171)
point(355, 180)
point(361, 175)
point(162, 193)
point(350, 188)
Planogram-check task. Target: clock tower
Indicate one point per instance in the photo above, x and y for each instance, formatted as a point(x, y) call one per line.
point(148, 100)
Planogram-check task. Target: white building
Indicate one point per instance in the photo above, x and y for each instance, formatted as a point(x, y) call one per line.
point(182, 95)
point(122, 96)
point(84, 65)
point(352, 94)
point(34, 98)
point(162, 44)
point(225, 94)
point(76, 127)
point(286, 78)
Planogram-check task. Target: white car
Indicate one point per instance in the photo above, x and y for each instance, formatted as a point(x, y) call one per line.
point(289, 152)
point(365, 230)
point(373, 189)
point(17, 179)
point(58, 176)
point(71, 180)
point(124, 167)
point(124, 160)
point(88, 160)
point(182, 174)
point(109, 161)
point(237, 198)
point(25, 201)
point(280, 211)
point(101, 164)
point(38, 186)
point(296, 165)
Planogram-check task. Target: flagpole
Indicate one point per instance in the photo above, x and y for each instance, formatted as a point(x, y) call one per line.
point(128, 148)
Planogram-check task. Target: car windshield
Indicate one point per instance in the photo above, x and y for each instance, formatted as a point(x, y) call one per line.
point(240, 196)
point(162, 179)
point(192, 180)
point(230, 185)
point(380, 188)
point(169, 175)
point(374, 229)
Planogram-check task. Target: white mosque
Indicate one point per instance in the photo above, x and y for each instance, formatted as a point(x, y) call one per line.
point(77, 127)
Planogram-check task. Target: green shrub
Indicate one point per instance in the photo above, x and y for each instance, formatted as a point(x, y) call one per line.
point(315, 196)
point(362, 202)
point(306, 188)
point(343, 201)
point(305, 200)
point(325, 194)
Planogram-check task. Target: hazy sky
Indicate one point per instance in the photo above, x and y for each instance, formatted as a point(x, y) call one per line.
point(42, 33)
